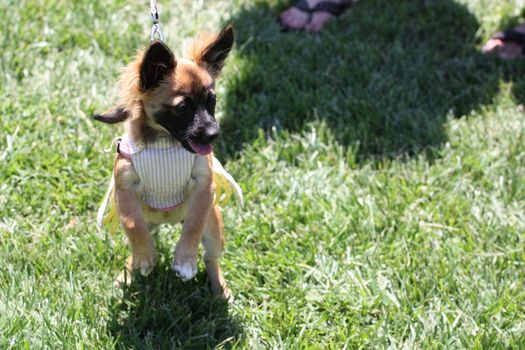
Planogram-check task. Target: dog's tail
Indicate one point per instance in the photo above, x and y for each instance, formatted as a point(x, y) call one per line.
point(225, 184)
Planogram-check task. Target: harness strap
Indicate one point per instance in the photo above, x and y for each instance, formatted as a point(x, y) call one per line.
point(123, 148)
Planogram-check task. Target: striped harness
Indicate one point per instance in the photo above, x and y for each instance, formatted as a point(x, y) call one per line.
point(164, 168)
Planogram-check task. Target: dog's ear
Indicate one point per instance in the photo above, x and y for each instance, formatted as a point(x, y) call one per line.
point(114, 115)
point(158, 62)
point(212, 51)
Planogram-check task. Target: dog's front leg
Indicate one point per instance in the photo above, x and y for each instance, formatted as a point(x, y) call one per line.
point(129, 207)
point(199, 206)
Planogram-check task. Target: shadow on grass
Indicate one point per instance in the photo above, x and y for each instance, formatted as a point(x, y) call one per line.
point(384, 77)
point(162, 312)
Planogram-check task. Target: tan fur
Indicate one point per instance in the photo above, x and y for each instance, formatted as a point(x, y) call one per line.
point(201, 220)
point(199, 46)
point(188, 79)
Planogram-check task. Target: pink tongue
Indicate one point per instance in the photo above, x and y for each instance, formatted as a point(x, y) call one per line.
point(201, 149)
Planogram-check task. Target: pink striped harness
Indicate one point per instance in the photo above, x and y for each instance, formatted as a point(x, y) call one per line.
point(164, 168)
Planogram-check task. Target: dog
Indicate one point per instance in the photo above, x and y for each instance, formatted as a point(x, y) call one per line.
point(165, 171)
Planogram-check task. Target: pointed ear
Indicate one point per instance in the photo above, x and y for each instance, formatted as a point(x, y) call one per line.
point(114, 115)
point(215, 51)
point(157, 63)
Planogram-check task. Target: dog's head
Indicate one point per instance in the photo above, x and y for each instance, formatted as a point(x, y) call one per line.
point(162, 94)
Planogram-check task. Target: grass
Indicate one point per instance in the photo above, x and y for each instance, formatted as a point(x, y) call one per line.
point(382, 163)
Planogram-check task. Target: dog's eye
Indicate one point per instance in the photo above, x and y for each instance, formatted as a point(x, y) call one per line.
point(212, 99)
point(182, 106)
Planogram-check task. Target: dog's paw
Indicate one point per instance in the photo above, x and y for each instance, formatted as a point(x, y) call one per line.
point(123, 279)
point(185, 267)
point(144, 262)
point(223, 293)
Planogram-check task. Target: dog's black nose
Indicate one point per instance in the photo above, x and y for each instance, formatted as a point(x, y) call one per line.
point(210, 133)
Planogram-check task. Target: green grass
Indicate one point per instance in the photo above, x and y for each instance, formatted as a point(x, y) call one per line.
point(382, 162)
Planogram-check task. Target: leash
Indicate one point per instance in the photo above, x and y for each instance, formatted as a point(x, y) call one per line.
point(155, 29)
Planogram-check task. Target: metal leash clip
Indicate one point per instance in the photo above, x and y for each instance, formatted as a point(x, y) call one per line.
point(155, 29)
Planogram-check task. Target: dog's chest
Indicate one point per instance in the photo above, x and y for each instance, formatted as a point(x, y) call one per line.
point(164, 168)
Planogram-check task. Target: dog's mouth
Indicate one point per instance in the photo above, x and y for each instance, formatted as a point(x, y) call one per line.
point(192, 146)
point(192, 143)
point(200, 148)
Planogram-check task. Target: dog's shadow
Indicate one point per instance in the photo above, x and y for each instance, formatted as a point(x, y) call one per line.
point(162, 312)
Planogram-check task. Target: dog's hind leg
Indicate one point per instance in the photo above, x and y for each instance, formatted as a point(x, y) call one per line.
point(124, 278)
point(213, 242)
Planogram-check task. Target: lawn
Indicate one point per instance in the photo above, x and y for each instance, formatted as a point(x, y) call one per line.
point(382, 163)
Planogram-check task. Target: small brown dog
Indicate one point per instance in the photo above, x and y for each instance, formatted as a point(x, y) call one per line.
point(164, 169)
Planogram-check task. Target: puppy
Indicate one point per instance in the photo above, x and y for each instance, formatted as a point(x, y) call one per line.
point(164, 169)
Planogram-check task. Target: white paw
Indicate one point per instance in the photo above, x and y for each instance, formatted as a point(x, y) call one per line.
point(186, 268)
